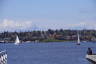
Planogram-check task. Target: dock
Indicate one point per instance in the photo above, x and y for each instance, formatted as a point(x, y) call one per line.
point(3, 57)
point(91, 58)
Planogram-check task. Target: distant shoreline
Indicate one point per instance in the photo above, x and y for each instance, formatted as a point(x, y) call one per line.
point(48, 36)
point(50, 41)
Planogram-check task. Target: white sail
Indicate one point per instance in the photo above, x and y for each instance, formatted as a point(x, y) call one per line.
point(78, 41)
point(17, 41)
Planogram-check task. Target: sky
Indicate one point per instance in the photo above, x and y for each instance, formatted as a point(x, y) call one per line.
point(22, 15)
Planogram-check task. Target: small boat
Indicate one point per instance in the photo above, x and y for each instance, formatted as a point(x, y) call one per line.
point(78, 41)
point(17, 41)
point(3, 57)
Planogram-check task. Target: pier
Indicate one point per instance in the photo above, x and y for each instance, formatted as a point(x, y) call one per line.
point(91, 58)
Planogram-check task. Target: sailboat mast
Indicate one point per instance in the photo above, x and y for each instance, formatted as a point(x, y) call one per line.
point(78, 40)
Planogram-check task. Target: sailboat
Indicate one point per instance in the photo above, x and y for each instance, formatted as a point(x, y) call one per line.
point(17, 41)
point(78, 41)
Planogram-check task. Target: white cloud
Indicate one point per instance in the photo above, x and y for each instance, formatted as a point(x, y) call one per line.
point(84, 25)
point(11, 25)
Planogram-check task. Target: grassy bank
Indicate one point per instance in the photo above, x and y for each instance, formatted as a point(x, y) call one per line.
point(52, 40)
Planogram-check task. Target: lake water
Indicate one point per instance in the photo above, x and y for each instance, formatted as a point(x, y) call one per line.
point(48, 53)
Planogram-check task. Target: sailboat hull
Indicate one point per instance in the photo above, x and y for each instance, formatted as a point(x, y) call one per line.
point(16, 43)
point(78, 44)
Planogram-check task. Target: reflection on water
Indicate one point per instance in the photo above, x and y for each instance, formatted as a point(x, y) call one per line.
point(48, 53)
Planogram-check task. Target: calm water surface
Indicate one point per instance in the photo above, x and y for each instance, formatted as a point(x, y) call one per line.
point(48, 53)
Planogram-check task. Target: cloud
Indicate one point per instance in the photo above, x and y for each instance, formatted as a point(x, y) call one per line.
point(11, 25)
point(84, 25)
point(58, 24)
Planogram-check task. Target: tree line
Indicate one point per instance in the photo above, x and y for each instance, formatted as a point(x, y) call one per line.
point(62, 35)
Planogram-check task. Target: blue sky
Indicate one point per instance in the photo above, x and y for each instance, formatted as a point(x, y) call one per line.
point(44, 14)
